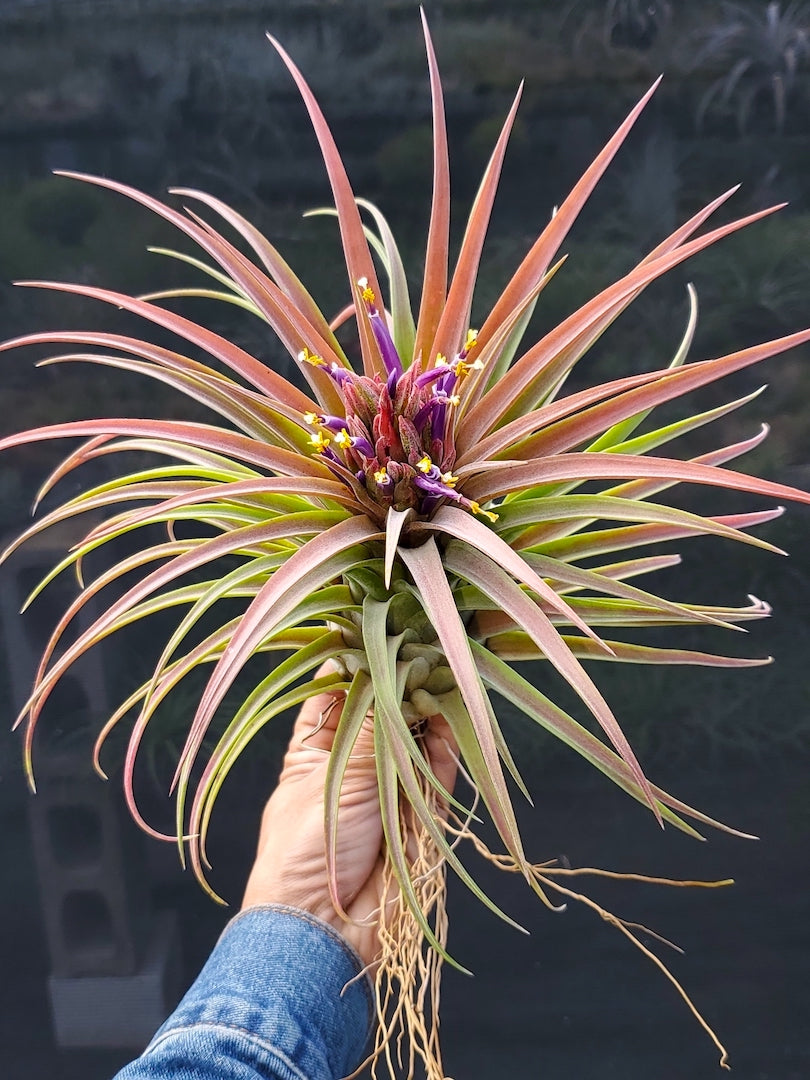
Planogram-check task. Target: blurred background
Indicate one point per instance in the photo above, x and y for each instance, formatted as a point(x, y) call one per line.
point(100, 928)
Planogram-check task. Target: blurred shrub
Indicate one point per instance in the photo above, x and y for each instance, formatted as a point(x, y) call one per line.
point(405, 164)
point(55, 209)
point(762, 50)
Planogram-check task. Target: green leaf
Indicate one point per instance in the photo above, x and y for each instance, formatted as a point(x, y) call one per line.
point(490, 579)
point(578, 511)
point(359, 699)
point(388, 784)
point(394, 523)
point(426, 568)
point(535, 705)
point(258, 707)
point(216, 771)
point(604, 541)
point(381, 652)
point(516, 645)
point(321, 560)
point(404, 331)
point(621, 431)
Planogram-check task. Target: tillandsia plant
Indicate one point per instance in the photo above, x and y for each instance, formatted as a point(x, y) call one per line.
point(416, 515)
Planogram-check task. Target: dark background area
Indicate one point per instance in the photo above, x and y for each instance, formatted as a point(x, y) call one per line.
point(168, 93)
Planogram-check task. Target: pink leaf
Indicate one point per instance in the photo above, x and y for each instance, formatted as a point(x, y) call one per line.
point(355, 247)
point(434, 287)
point(495, 583)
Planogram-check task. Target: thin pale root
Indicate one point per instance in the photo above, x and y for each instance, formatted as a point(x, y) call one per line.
point(407, 976)
point(544, 875)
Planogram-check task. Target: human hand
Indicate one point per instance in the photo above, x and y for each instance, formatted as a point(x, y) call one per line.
point(290, 866)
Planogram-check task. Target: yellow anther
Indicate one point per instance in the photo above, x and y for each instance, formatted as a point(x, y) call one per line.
point(312, 418)
point(381, 475)
point(476, 509)
point(449, 479)
point(464, 367)
point(307, 357)
point(454, 399)
point(319, 440)
point(366, 292)
point(343, 439)
point(472, 340)
point(425, 465)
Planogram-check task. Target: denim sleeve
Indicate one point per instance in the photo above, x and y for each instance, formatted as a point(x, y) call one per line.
point(280, 998)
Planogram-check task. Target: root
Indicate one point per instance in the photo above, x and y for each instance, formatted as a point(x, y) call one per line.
point(407, 976)
point(545, 875)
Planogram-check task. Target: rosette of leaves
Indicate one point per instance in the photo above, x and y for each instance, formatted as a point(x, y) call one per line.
point(423, 514)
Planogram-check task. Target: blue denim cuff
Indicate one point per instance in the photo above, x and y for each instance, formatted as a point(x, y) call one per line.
point(287, 983)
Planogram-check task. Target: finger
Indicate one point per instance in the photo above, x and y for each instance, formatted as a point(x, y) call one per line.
point(319, 715)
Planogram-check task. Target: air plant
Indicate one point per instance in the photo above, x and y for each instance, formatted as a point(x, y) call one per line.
point(416, 516)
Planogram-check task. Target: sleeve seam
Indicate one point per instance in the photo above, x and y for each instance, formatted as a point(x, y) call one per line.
point(231, 1029)
point(313, 920)
point(307, 917)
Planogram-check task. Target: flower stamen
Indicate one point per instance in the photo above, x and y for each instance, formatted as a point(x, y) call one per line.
point(366, 292)
point(477, 509)
point(307, 357)
point(320, 441)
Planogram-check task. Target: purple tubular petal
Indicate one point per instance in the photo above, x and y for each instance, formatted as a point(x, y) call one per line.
point(423, 415)
point(379, 327)
point(430, 503)
point(364, 446)
point(439, 420)
point(427, 377)
point(448, 382)
point(340, 374)
point(434, 487)
point(334, 423)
